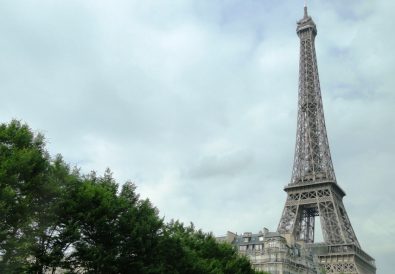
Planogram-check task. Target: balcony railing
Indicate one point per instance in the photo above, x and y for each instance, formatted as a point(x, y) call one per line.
point(325, 249)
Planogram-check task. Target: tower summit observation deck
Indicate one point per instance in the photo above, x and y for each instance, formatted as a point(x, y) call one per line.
point(313, 190)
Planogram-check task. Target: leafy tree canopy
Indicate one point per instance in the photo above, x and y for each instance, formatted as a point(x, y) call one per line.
point(53, 217)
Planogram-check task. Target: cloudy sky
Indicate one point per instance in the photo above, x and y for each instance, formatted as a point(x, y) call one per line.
point(195, 101)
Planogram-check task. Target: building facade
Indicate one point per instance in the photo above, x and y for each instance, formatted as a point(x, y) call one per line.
point(270, 252)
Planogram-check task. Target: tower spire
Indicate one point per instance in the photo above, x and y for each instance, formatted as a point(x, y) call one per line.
point(305, 9)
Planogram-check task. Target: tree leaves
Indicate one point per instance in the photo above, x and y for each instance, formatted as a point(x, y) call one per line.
point(52, 217)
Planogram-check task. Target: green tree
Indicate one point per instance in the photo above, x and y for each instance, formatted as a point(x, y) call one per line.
point(53, 217)
point(31, 189)
point(140, 231)
point(51, 238)
point(110, 233)
point(187, 250)
point(24, 193)
point(90, 215)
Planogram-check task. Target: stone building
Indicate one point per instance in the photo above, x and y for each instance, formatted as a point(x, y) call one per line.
point(270, 252)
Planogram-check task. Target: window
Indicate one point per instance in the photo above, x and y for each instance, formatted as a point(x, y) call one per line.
point(246, 239)
point(260, 238)
point(243, 248)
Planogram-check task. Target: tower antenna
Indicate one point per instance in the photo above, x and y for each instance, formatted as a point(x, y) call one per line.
point(305, 9)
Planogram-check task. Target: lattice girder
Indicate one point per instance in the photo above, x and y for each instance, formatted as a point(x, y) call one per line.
point(344, 268)
point(312, 160)
point(322, 200)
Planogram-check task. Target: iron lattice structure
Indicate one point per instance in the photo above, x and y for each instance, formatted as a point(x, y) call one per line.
point(313, 190)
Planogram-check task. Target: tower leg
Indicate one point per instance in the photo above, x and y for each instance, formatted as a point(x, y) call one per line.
point(286, 225)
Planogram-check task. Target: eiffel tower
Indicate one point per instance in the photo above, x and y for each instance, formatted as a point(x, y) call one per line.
point(313, 190)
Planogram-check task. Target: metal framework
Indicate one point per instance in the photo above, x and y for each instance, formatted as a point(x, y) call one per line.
point(313, 190)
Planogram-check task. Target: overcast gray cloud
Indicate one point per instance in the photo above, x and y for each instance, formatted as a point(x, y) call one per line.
point(195, 101)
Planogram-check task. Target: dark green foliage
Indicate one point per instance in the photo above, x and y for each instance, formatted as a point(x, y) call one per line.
point(52, 217)
point(188, 250)
point(26, 194)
